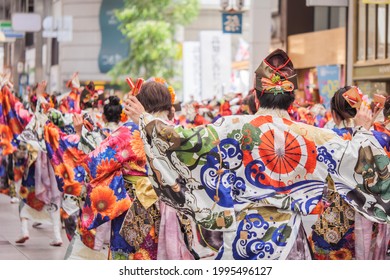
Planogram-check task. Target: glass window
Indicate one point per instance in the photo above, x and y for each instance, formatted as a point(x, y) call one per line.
point(372, 87)
point(361, 48)
point(381, 39)
point(388, 31)
point(371, 28)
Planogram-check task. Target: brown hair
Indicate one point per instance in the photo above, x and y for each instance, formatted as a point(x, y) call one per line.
point(155, 97)
point(340, 106)
point(386, 110)
point(249, 100)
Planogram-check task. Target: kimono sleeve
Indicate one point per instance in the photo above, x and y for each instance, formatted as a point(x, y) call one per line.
point(361, 174)
point(187, 170)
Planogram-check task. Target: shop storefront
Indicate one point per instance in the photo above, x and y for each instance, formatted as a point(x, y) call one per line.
point(320, 59)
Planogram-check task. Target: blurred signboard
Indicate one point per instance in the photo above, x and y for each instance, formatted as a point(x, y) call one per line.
point(60, 28)
point(215, 50)
point(191, 71)
point(232, 22)
point(6, 29)
point(328, 82)
point(114, 47)
point(327, 3)
point(26, 22)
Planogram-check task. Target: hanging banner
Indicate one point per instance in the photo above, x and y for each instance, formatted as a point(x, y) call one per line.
point(232, 23)
point(328, 82)
point(216, 60)
point(191, 71)
point(114, 47)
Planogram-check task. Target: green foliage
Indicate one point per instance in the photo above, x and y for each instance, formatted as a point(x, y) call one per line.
point(150, 26)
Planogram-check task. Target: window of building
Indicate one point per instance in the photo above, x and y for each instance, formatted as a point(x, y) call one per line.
point(381, 38)
point(388, 31)
point(361, 47)
point(371, 32)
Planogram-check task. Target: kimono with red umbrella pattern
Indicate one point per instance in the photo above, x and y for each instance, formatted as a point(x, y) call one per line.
point(253, 177)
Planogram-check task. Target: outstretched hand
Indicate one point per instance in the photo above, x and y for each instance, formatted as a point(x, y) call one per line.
point(364, 117)
point(133, 108)
point(78, 121)
point(41, 88)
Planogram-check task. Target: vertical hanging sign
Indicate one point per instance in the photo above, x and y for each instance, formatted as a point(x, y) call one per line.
point(328, 82)
point(215, 54)
point(232, 22)
point(114, 47)
point(191, 71)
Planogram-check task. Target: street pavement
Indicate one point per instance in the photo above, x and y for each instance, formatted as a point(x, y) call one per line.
point(36, 248)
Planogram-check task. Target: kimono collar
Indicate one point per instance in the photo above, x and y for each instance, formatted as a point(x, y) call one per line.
point(112, 126)
point(273, 112)
point(161, 115)
point(345, 124)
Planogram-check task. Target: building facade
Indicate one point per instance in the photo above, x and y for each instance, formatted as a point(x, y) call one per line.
point(371, 48)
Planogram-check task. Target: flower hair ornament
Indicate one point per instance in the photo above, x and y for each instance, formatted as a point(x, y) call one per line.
point(164, 82)
point(276, 86)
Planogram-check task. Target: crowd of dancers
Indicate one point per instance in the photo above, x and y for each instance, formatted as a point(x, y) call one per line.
point(224, 178)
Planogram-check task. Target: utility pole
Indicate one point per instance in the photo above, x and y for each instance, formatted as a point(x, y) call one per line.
point(260, 34)
point(18, 48)
point(39, 8)
point(350, 43)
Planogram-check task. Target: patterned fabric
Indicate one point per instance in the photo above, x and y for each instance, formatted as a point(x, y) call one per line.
point(106, 165)
point(4, 186)
point(63, 121)
point(65, 158)
point(382, 127)
point(134, 227)
point(370, 239)
point(101, 166)
point(139, 221)
point(174, 236)
point(91, 134)
point(135, 233)
point(13, 119)
point(27, 190)
point(71, 102)
point(333, 235)
point(239, 164)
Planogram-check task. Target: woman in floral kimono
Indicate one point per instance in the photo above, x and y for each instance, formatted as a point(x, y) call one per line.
point(339, 232)
point(40, 196)
point(113, 171)
point(119, 190)
point(253, 177)
point(116, 169)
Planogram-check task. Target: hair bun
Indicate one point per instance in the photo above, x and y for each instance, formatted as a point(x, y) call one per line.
point(114, 100)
